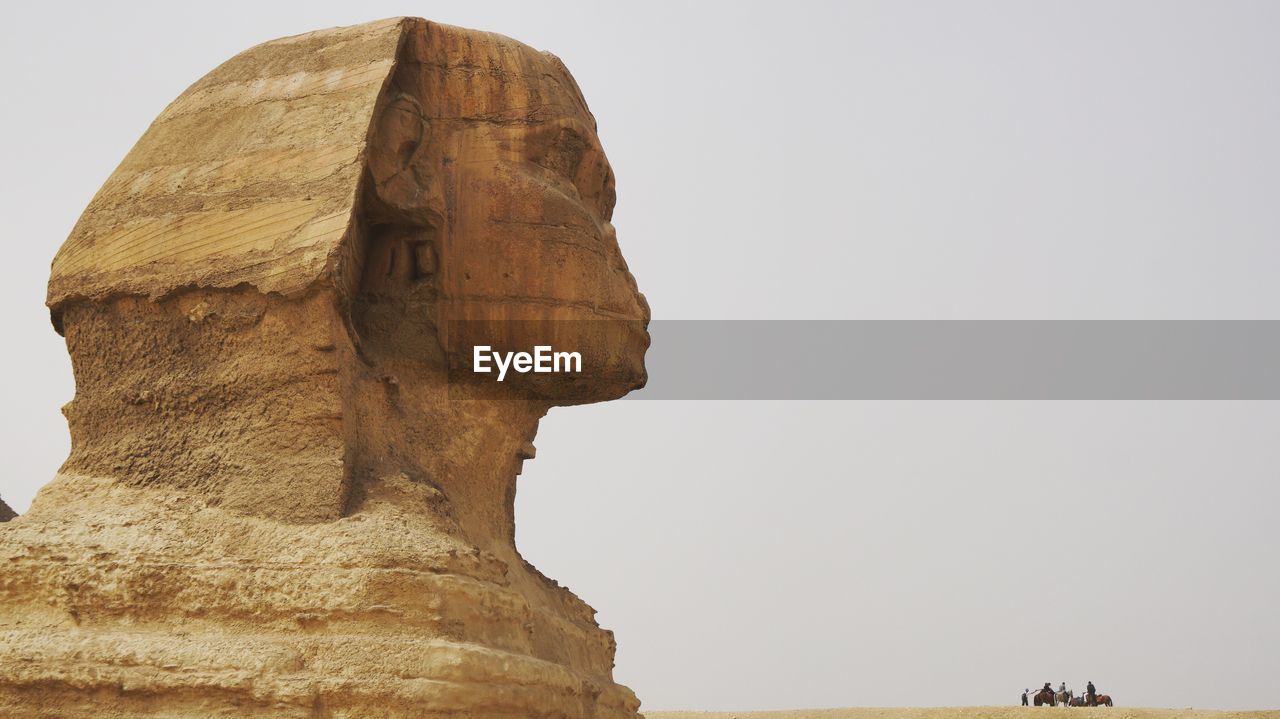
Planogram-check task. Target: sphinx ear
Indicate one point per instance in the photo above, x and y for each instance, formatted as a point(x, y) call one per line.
point(403, 162)
point(402, 204)
point(389, 279)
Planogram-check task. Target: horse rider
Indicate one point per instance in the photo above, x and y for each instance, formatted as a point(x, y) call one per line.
point(1062, 688)
point(1091, 694)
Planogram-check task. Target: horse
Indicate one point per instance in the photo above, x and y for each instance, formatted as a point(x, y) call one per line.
point(1045, 696)
point(1064, 698)
point(1100, 700)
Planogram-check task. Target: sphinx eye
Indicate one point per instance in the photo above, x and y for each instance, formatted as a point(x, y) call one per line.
point(565, 154)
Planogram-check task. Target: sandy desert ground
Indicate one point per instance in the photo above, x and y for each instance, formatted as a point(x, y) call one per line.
point(1014, 712)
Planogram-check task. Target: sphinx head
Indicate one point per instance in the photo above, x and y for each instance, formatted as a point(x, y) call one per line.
point(277, 291)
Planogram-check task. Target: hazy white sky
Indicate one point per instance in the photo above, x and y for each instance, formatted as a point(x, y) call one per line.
point(831, 160)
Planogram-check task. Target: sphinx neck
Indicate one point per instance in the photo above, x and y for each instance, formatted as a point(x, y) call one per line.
point(414, 447)
point(259, 405)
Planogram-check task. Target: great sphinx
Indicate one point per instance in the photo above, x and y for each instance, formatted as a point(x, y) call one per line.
point(277, 502)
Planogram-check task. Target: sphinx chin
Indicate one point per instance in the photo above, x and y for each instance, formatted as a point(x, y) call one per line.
point(276, 502)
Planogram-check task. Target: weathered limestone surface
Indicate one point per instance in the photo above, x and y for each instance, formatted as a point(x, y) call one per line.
point(274, 506)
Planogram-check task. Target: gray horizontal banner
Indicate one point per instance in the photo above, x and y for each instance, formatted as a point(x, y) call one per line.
point(816, 359)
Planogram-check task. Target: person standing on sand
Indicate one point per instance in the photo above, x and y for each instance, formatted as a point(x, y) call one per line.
point(1024, 696)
